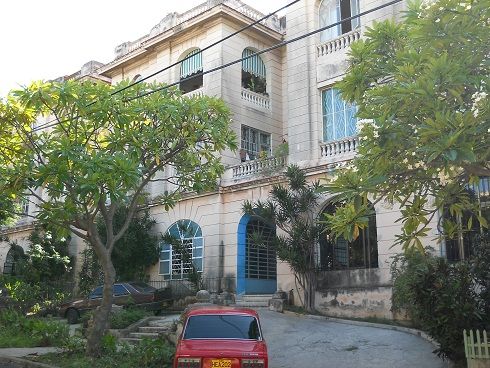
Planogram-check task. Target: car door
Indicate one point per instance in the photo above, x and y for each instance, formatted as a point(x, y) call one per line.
point(95, 297)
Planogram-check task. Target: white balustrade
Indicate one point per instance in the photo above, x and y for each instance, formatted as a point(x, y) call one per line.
point(197, 92)
point(338, 43)
point(180, 19)
point(257, 167)
point(256, 98)
point(339, 147)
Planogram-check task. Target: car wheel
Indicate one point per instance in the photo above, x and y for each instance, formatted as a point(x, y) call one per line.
point(72, 316)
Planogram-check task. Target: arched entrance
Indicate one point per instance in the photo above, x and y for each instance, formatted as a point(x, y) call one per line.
point(256, 266)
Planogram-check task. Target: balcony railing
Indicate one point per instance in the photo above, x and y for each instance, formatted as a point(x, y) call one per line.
point(338, 43)
point(258, 167)
point(339, 147)
point(256, 98)
point(197, 92)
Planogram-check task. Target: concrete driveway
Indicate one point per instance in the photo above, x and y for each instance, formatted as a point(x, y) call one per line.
point(298, 342)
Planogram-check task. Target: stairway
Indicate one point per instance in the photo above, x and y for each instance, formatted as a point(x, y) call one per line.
point(253, 300)
point(152, 330)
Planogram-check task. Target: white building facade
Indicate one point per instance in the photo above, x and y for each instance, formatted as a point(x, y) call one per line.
point(285, 95)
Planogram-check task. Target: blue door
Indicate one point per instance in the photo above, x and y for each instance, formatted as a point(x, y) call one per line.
point(256, 265)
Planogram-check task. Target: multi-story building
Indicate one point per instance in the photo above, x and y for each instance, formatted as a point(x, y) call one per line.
point(285, 95)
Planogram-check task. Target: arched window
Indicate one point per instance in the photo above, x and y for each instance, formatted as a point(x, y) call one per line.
point(191, 72)
point(461, 246)
point(253, 72)
point(184, 256)
point(333, 11)
point(341, 254)
point(14, 255)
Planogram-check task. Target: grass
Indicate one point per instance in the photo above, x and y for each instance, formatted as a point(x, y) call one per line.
point(149, 354)
point(18, 331)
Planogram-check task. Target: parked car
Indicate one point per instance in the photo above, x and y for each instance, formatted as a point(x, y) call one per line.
point(138, 294)
point(221, 337)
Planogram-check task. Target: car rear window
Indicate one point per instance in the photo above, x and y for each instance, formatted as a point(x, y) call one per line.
point(142, 287)
point(222, 327)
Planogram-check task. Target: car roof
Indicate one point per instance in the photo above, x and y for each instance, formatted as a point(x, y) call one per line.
point(214, 309)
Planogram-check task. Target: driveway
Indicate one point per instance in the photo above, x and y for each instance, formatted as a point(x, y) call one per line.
point(297, 342)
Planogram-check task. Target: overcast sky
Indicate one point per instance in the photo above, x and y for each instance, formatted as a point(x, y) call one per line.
point(44, 39)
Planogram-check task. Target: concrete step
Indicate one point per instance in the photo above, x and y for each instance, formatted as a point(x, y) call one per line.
point(155, 329)
point(254, 297)
point(160, 323)
point(141, 335)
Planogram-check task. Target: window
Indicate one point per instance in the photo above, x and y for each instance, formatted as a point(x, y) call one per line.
point(461, 247)
point(119, 290)
point(191, 67)
point(333, 11)
point(96, 293)
point(175, 265)
point(255, 143)
point(253, 72)
point(222, 327)
point(340, 254)
point(339, 117)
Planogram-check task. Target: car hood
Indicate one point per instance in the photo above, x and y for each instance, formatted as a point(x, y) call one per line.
point(222, 348)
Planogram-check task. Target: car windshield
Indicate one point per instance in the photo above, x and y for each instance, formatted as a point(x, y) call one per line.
point(142, 287)
point(222, 327)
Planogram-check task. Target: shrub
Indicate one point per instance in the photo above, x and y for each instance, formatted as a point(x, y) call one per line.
point(440, 298)
point(126, 317)
point(16, 330)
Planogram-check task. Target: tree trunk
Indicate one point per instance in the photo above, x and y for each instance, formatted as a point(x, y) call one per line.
point(102, 313)
point(310, 288)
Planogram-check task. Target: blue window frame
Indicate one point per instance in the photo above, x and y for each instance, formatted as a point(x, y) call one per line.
point(177, 266)
point(339, 117)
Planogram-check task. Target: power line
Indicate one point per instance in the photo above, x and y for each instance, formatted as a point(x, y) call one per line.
point(268, 49)
point(49, 123)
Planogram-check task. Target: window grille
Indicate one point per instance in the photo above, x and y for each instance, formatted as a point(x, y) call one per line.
point(339, 117)
point(173, 264)
point(260, 261)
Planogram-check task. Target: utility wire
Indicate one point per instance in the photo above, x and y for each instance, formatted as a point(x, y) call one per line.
point(268, 49)
point(48, 124)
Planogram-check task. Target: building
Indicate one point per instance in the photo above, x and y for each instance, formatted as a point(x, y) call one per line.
point(287, 94)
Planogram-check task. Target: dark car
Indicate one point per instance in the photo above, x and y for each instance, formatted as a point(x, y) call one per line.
point(221, 337)
point(137, 294)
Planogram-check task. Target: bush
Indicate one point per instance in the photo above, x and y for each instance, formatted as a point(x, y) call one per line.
point(16, 330)
point(126, 317)
point(149, 354)
point(441, 298)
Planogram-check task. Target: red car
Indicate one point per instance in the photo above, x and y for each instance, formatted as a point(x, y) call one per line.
point(221, 337)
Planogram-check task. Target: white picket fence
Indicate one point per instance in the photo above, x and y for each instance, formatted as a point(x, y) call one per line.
point(477, 349)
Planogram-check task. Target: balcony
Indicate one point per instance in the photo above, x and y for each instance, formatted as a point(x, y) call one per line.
point(338, 43)
point(344, 148)
point(196, 93)
point(257, 99)
point(254, 168)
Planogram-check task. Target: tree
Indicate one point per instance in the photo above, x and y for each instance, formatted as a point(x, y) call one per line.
point(292, 209)
point(421, 88)
point(100, 156)
point(48, 258)
point(137, 249)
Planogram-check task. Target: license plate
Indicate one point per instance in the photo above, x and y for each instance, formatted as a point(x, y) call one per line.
point(220, 363)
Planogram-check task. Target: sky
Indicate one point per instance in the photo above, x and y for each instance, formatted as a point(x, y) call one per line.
point(45, 39)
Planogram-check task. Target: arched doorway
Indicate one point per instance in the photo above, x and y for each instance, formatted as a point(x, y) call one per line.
point(256, 265)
